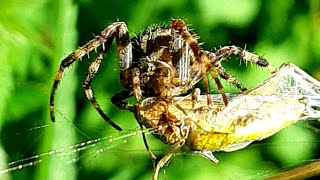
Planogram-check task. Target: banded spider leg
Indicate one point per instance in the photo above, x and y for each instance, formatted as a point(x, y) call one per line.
point(209, 60)
point(101, 42)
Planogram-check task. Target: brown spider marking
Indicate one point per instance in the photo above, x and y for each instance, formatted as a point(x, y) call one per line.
point(169, 59)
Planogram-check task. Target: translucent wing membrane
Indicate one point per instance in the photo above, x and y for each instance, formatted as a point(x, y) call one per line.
point(292, 82)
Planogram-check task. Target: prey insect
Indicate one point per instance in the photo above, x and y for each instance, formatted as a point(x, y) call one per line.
point(169, 58)
point(189, 124)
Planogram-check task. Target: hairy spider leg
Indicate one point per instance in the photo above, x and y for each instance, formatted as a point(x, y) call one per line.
point(226, 51)
point(138, 94)
point(118, 98)
point(92, 71)
point(136, 85)
point(180, 26)
point(118, 30)
point(205, 61)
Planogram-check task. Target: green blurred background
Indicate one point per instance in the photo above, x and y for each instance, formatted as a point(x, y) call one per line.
point(36, 35)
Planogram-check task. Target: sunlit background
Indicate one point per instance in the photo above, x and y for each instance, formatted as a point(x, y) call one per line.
point(35, 35)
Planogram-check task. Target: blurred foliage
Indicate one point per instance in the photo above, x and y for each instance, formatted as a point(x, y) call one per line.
point(36, 35)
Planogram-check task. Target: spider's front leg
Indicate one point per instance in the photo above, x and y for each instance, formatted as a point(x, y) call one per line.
point(104, 40)
point(226, 51)
point(202, 57)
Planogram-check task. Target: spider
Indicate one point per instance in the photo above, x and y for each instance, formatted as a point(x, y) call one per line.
point(169, 59)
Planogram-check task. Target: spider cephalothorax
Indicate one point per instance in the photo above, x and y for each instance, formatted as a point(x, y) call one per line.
point(168, 59)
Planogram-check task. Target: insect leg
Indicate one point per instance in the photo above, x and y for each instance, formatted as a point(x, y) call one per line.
point(138, 94)
point(165, 159)
point(146, 143)
point(207, 154)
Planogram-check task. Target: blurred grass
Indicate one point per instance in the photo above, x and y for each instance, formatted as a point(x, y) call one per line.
point(35, 35)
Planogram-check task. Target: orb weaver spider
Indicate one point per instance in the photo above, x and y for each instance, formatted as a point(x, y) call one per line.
point(169, 58)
